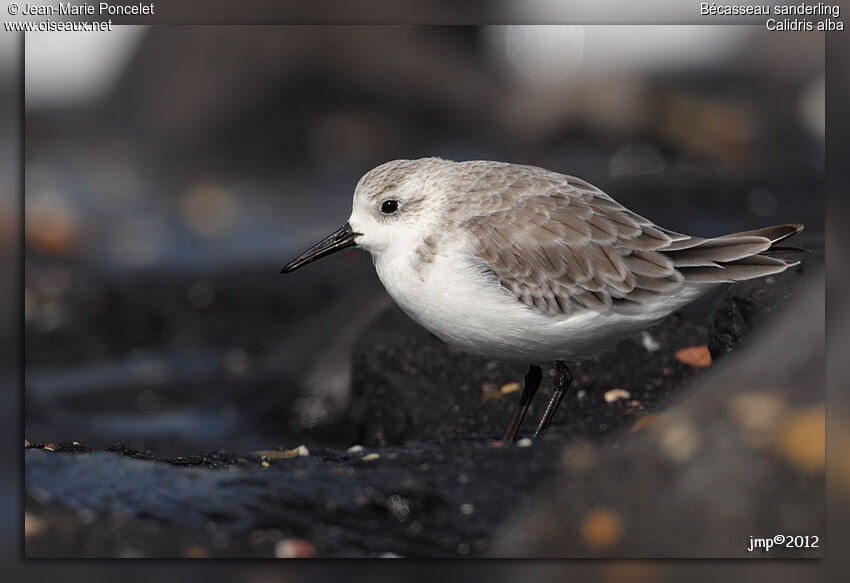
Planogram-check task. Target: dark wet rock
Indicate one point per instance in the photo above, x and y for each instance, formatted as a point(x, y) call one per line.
point(409, 386)
point(742, 457)
point(137, 361)
point(436, 499)
point(432, 498)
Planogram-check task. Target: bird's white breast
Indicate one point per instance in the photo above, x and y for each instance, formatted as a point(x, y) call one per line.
point(453, 298)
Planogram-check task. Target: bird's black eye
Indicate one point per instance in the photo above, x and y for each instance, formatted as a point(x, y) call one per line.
point(389, 206)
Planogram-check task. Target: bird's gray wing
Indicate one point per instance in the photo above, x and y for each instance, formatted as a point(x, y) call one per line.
point(561, 245)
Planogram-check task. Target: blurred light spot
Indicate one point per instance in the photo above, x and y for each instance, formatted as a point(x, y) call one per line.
point(677, 437)
point(802, 439)
point(762, 202)
point(724, 130)
point(52, 225)
point(137, 241)
point(208, 210)
point(545, 52)
point(601, 528)
point(196, 552)
point(33, 525)
point(813, 106)
point(578, 457)
point(65, 68)
point(758, 414)
point(636, 160)
point(294, 548)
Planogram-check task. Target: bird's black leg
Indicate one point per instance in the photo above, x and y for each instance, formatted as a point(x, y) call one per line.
point(563, 378)
point(532, 383)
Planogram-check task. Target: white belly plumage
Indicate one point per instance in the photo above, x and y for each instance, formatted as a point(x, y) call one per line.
point(453, 299)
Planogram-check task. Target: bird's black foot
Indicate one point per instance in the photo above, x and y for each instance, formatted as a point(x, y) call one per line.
point(532, 383)
point(563, 378)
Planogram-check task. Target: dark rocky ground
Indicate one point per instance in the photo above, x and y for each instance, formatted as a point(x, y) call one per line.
point(433, 478)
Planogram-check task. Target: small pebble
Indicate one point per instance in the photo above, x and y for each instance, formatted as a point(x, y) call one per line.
point(650, 344)
point(273, 454)
point(467, 509)
point(616, 395)
point(264, 463)
point(509, 388)
point(355, 448)
point(695, 356)
point(371, 456)
point(524, 442)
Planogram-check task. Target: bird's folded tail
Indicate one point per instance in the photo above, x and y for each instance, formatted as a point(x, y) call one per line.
point(734, 257)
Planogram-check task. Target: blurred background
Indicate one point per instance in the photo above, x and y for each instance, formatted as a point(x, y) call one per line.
point(171, 171)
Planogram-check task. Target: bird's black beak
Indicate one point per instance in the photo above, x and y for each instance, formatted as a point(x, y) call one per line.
point(340, 239)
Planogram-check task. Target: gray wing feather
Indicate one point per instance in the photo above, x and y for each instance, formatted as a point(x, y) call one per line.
point(559, 245)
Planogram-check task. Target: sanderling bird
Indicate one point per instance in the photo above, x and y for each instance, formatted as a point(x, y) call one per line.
point(523, 264)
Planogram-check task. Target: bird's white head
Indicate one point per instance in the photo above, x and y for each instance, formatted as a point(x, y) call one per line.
point(395, 205)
